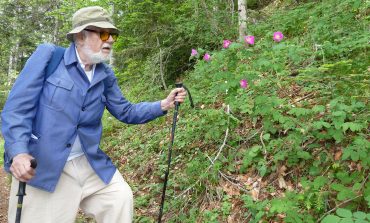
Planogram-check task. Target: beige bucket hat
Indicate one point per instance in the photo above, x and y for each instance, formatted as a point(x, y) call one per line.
point(93, 16)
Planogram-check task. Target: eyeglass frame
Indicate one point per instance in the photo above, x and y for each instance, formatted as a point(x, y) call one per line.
point(113, 35)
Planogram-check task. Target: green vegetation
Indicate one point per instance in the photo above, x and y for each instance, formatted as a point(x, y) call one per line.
point(1, 151)
point(294, 146)
point(291, 147)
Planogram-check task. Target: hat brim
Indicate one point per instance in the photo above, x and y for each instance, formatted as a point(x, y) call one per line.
point(102, 25)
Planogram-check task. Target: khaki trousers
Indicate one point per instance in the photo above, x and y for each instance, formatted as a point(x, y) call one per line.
point(78, 187)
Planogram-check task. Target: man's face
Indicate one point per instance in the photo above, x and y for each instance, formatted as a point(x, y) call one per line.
point(93, 48)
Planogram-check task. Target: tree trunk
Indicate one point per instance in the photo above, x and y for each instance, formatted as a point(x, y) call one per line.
point(13, 61)
point(211, 17)
point(56, 31)
point(161, 69)
point(10, 65)
point(242, 18)
point(232, 9)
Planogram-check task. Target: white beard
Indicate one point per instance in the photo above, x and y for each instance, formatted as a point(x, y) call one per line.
point(95, 58)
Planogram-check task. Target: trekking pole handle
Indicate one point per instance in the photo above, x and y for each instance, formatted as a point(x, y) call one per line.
point(33, 163)
point(178, 85)
point(22, 185)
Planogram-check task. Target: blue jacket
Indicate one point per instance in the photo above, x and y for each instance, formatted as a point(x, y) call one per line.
point(57, 109)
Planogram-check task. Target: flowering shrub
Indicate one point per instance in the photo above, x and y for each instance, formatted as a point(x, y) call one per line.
point(292, 146)
point(226, 44)
point(249, 40)
point(258, 85)
point(207, 57)
point(243, 83)
point(278, 36)
point(194, 52)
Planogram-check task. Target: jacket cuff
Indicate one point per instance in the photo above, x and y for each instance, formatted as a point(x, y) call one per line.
point(157, 110)
point(16, 148)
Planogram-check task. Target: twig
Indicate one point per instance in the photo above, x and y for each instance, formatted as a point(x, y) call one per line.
point(263, 145)
point(336, 207)
point(306, 96)
point(235, 184)
point(252, 136)
point(227, 178)
point(216, 157)
point(365, 180)
point(225, 138)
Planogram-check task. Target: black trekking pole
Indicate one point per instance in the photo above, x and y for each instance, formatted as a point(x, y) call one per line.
point(177, 105)
point(21, 193)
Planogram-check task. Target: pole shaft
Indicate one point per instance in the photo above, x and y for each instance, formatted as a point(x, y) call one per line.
point(168, 161)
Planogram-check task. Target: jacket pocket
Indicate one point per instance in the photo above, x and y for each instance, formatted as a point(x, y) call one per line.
point(34, 137)
point(56, 93)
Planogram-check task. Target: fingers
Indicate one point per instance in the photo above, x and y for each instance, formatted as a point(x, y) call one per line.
point(177, 94)
point(22, 173)
point(21, 167)
point(180, 94)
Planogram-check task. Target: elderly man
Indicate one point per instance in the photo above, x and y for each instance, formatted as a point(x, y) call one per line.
point(56, 119)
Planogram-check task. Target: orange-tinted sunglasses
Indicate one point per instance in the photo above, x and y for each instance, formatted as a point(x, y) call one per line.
point(104, 35)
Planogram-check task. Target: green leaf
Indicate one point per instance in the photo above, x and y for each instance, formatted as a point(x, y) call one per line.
point(338, 187)
point(299, 111)
point(319, 182)
point(346, 220)
point(361, 221)
point(266, 136)
point(336, 134)
point(320, 124)
point(262, 170)
point(254, 151)
point(359, 215)
point(355, 156)
point(345, 194)
point(282, 205)
point(357, 186)
point(344, 213)
point(303, 155)
point(355, 127)
point(344, 177)
point(318, 108)
point(367, 198)
point(339, 114)
point(331, 219)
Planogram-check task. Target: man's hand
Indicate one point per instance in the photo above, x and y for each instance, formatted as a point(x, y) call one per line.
point(177, 94)
point(21, 167)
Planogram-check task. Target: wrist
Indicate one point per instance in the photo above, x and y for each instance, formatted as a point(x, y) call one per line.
point(165, 105)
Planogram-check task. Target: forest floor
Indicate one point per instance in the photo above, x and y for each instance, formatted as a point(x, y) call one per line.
point(4, 195)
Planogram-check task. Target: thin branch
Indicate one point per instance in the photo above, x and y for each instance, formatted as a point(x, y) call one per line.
point(225, 138)
point(306, 96)
point(235, 184)
point(263, 145)
point(216, 157)
point(336, 207)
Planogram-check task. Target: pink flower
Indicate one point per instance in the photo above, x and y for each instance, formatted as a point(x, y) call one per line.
point(278, 36)
point(226, 43)
point(243, 83)
point(249, 39)
point(194, 52)
point(207, 57)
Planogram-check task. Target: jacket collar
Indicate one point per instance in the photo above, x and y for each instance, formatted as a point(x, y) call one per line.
point(70, 58)
point(70, 55)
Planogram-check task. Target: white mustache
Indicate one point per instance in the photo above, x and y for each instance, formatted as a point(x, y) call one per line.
point(107, 45)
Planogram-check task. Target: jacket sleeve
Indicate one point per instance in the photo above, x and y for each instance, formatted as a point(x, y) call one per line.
point(20, 108)
point(126, 111)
